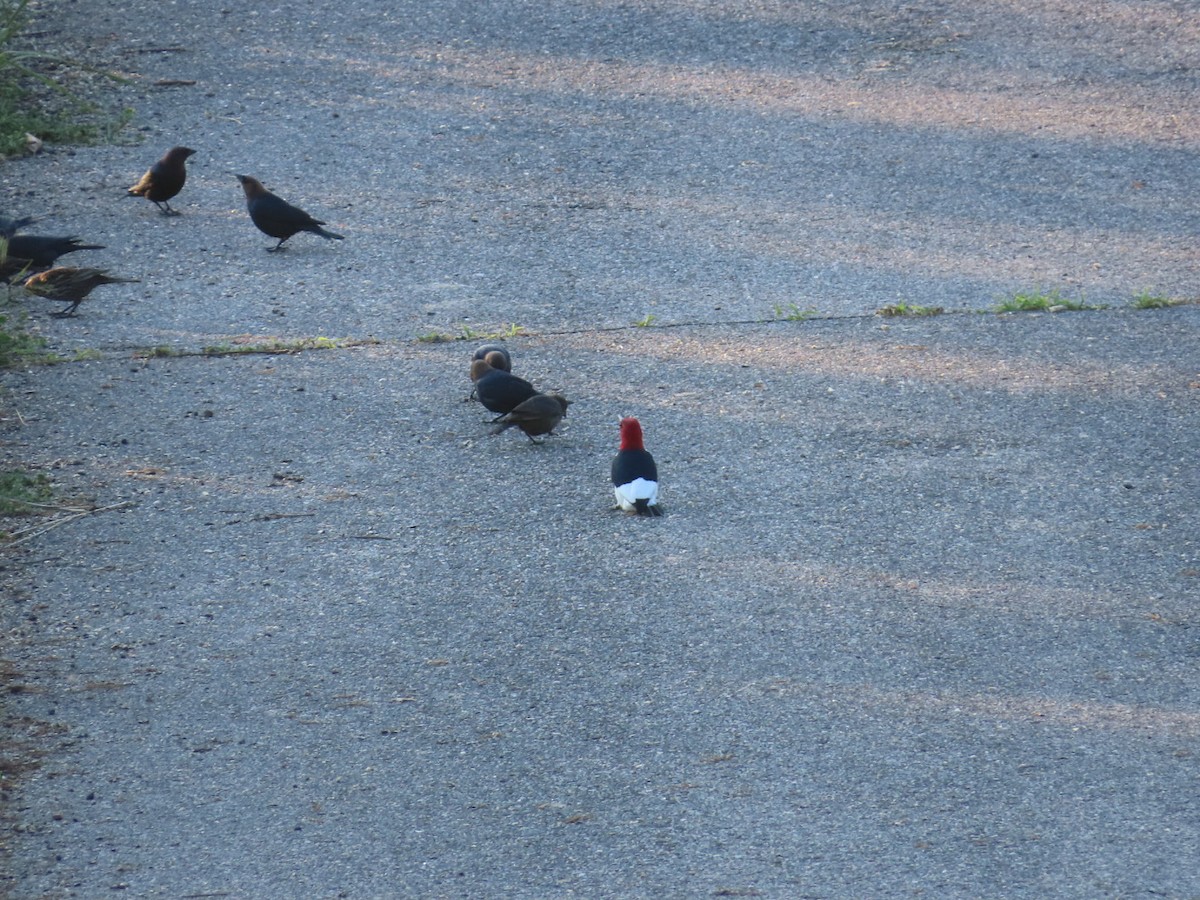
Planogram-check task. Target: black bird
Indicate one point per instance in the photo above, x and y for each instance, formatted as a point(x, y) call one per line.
point(70, 285)
point(540, 414)
point(277, 218)
point(164, 179)
point(9, 227)
point(499, 391)
point(43, 252)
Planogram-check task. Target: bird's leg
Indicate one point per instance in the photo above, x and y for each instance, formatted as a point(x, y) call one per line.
point(67, 312)
point(278, 246)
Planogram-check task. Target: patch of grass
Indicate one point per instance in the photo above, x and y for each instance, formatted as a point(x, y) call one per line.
point(793, 313)
point(1149, 300)
point(21, 492)
point(646, 321)
point(910, 309)
point(275, 345)
point(42, 94)
point(467, 333)
point(1044, 301)
point(17, 345)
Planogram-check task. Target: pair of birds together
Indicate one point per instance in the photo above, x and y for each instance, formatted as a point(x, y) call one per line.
point(272, 215)
point(25, 253)
point(517, 403)
point(161, 183)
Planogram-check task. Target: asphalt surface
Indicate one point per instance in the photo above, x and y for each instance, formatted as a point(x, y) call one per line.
point(921, 617)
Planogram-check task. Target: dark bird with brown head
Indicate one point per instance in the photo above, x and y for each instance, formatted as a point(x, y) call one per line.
point(498, 390)
point(164, 179)
point(70, 285)
point(277, 218)
point(540, 414)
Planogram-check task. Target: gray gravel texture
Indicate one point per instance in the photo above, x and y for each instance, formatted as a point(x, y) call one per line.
point(921, 618)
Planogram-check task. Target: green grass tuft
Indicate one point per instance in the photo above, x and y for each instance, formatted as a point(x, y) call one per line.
point(21, 492)
point(1148, 300)
point(1035, 301)
point(910, 309)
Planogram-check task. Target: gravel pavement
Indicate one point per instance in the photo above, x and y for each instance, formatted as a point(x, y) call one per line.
point(921, 617)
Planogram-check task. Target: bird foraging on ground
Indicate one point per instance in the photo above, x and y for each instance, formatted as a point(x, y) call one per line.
point(495, 356)
point(42, 252)
point(70, 285)
point(498, 390)
point(164, 179)
point(540, 414)
point(277, 218)
point(634, 474)
point(485, 352)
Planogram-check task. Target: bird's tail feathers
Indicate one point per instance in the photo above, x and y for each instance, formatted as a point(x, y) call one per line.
point(328, 235)
point(644, 507)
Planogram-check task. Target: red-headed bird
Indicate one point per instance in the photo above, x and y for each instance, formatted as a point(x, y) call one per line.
point(634, 475)
point(164, 179)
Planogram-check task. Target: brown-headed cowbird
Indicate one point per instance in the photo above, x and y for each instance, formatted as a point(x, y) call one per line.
point(486, 350)
point(540, 414)
point(43, 252)
point(634, 474)
point(497, 390)
point(277, 218)
point(495, 356)
point(70, 285)
point(164, 179)
point(9, 227)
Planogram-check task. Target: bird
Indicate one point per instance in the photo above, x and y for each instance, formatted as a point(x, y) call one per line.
point(496, 356)
point(42, 252)
point(277, 218)
point(540, 414)
point(634, 474)
point(70, 285)
point(486, 350)
point(164, 179)
point(9, 227)
point(499, 391)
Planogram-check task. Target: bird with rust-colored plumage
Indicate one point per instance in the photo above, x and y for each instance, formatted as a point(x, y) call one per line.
point(540, 414)
point(164, 179)
point(277, 218)
point(70, 285)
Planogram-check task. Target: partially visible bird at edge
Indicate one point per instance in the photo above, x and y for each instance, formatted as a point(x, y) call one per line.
point(277, 218)
point(70, 285)
point(164, 179)
point(43, 251)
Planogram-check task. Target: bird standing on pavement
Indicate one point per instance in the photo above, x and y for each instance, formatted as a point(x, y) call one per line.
point(43, 252)
point(277, 218)
point(164, 179)
point(634, 474)
point(495, 356)
point(498, 390)
point(540, 414)
point(70, 285)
